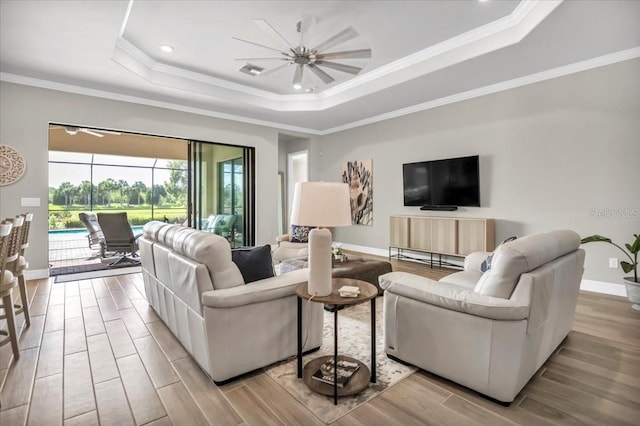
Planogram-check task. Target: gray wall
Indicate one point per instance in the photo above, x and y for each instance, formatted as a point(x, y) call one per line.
point(550, 153)
point(561, 153)
point(26, 111)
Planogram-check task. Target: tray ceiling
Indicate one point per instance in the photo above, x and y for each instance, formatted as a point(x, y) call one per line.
point(424, 53)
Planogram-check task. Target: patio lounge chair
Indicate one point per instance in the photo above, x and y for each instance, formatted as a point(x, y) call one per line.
point(118, 237)
point(95, 236)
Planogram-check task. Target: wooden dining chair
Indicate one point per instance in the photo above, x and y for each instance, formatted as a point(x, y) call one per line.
point(9, 252)
point(19, 268)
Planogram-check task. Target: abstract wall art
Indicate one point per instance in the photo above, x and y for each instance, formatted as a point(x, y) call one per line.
point(359, 176)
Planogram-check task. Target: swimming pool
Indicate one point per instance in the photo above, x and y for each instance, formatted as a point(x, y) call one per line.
point(81, 231)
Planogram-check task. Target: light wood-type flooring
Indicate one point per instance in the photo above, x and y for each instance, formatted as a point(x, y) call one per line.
point(97, 354)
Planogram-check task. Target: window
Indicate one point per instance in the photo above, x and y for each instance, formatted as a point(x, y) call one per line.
point(146, 188)
point(230, 196)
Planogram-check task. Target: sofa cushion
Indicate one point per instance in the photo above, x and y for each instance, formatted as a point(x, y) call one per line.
point(254, 263)
point(467, 279)
point(452, 297)
point(300, 234)
point(523, 255)
point(151, 229)
point(166, 234)
point(213, 251)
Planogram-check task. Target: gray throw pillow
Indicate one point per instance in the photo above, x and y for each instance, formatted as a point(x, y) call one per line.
point(486, 264)
point(254, 263)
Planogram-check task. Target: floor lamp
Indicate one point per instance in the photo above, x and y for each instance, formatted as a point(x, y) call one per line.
point(322, 205)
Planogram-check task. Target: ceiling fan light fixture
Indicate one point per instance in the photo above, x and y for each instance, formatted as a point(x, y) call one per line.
point(302, 56)
point(297, 77)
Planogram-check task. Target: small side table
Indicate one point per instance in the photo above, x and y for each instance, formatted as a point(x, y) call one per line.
point(360, 379)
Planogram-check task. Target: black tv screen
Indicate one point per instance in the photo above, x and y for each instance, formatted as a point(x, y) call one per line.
point(450, 182)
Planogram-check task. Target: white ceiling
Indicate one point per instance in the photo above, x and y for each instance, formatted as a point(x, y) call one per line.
point(424, 53)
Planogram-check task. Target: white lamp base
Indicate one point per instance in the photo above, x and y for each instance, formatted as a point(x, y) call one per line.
point(320, 262)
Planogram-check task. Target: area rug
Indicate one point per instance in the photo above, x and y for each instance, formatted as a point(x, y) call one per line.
point(97, 273)
point(353, 340)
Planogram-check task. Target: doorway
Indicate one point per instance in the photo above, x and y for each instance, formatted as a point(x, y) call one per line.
point(150, 178)
point(297, 171)
point(221, 191)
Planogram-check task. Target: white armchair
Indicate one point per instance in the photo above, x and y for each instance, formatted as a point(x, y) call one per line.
point(488, 331)
point(286, 249)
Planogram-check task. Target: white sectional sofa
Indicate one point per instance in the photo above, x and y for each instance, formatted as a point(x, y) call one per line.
point(227, 326)
point(488, 331)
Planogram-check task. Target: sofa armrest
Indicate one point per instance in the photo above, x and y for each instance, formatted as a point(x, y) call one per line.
point(473, 261)
point(283, 237)
point(256, 292)
point(452, 297)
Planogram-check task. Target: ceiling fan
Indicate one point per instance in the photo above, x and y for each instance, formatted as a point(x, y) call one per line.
point(304, 57)
point(74, 130)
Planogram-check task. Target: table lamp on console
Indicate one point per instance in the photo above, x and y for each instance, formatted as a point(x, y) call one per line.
point(321, 205)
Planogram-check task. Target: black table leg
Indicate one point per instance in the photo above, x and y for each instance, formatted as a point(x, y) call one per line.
point(335, 357)
point(299, 338)
point(373, 340)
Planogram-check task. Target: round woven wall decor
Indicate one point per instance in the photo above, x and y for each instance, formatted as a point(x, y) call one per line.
point(12, 165)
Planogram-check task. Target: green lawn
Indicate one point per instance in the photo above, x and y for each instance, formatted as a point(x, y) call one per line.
point(61, 217)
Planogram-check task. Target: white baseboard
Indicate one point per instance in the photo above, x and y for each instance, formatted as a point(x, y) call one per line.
point(603, 287)
point(36, 274)
point(415, 255)
point(587, 285)
point(364, 249)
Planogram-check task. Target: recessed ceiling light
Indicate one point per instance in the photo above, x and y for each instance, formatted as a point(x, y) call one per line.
point(166, 48)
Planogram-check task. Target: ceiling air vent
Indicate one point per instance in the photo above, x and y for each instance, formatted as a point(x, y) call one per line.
point(251, 69)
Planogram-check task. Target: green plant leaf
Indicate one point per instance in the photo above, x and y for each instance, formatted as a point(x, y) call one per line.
point(626, 267)
point(635, 247)
point(595, 238)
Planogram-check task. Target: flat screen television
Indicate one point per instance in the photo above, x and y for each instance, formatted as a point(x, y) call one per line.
point(451, 182)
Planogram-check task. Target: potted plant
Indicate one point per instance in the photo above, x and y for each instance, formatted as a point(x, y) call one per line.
point(631, 283)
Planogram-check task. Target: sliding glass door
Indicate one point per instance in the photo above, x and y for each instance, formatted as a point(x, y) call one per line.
point(221, 196)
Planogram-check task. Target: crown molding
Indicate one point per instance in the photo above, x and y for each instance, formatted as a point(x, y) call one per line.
point(576, 67)
point(495, 35)
point(103, 94)
point(597, 62)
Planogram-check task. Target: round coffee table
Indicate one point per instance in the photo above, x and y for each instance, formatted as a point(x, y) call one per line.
point(362, 376)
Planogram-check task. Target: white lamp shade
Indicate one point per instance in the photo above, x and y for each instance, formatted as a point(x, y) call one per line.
point(321, 204)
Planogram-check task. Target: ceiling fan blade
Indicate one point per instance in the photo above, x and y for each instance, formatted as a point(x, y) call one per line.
point(341, 37)
point(109, 132)
point(91, 132)
point(275, 69)
point(262, 59)
point(354, 54)
point(340, 67)
point(297, 77)
point(326, 78)
point(260, 45)
point(266, 27)
point(303, 27)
